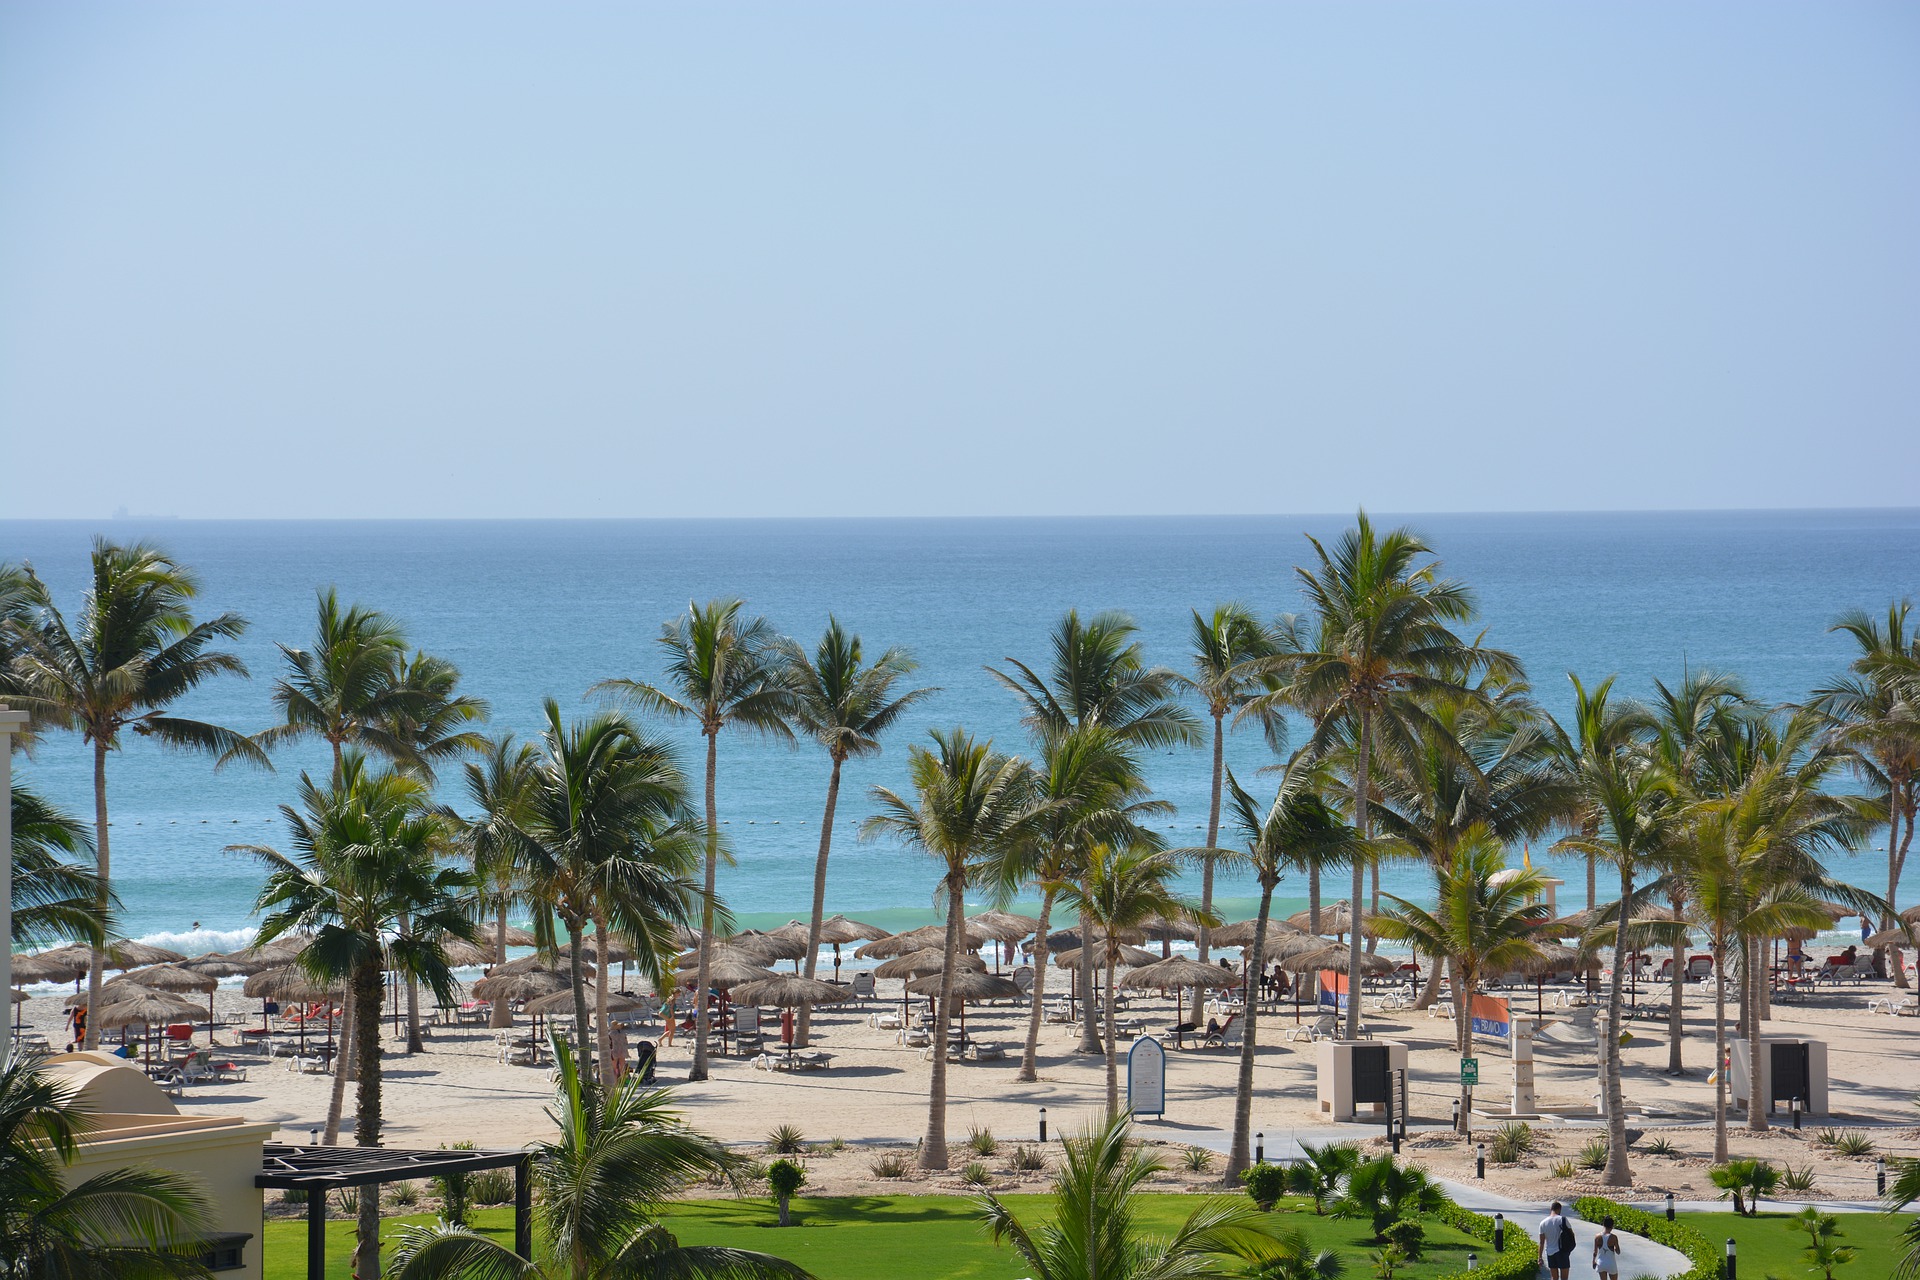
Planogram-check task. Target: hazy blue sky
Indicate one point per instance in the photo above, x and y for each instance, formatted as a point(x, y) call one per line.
point(513, 259)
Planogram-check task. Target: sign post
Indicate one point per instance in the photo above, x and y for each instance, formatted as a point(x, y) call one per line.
point(1147, 1077)
point(1469, 1071)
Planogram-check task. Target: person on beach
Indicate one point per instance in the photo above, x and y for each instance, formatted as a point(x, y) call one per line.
point(1556, 1243)
point(78, 1017)
point(1606, 1251)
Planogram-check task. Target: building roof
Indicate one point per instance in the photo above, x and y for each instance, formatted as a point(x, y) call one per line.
point(324, 1168)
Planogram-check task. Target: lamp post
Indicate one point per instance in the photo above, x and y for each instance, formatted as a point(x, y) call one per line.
point(1669, 1206)
point(1456, 1115)
point(1260, 1147)
point(1043, 1126)
point(1480, 1162)
point(1733, 1262)
point(1499, 1233)
point(1880, 1175)
point(1473, 1262)
point(11, 722)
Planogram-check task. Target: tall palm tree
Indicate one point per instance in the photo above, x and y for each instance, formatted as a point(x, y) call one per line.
point(1485, 921)
point(1123, 888)
point(1223, 643)
point(606, 839)
point(1378, 648)
point(1299, 828)
point(619, 1159)
point(1630, 819)
point(1873, 714)
point(724, 670)
point(969, 804)
point(1094, 1234)
point(1098, 675)
point(128, 1223)
point(1598, 729)
point(500, 786)
point(844, 704)
point(363, 861)
point(346, 690)
point(135, 652)
point(55, 894)
point(1088, 792)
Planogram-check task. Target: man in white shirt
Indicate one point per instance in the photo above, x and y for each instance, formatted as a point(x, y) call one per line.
point(1556, 1251)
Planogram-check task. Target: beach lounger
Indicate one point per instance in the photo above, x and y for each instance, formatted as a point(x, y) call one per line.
point(885, 1021)
point(1321, 1028)
point(988, 1052)
point(863, 986)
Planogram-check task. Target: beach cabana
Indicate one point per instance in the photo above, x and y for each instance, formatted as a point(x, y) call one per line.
point(1004, 928)
point(919, 963)
point(143, 1007)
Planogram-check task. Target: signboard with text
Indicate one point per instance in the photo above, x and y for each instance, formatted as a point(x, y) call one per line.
point(1333, 989)
point(1490, 1017)
point(1147, 1077)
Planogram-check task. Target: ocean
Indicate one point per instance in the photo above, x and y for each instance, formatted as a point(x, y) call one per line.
point(537, 609)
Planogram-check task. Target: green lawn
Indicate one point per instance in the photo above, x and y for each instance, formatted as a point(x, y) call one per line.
point(853, 1238)
point(1768, 1248)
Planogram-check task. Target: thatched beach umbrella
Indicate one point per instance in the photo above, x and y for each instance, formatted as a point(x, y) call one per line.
point(124, 953)
point(528, 984)
point(143, 1007)
point(1336, 920)
point(788, 991)
point(1549, 957)
point(932, 935)
point(964, 985)
point(1177, 974)
point(924, 961)
point(1900, 936)
point(1330, 957)
point(293, 985)
point(837, 931)
point(1002, 927)
point(177, 978)
point(281, 950)
point(62, 964)
point(220, 964)
point(1129, 957)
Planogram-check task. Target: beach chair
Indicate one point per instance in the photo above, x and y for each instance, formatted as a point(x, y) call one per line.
point(1321, 1028)
point(1023, 979)
point(863, 986)
point(988, 1052)
point(1699, 968)
point(1230, 1034)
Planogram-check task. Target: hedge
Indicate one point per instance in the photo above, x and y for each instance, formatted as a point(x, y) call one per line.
point(1519, 1260)
point(1709, 1263)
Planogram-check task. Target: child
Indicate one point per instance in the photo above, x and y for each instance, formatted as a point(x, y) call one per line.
point(1606, 1251)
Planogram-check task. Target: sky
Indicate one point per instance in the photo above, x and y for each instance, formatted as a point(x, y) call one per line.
point(488, 259)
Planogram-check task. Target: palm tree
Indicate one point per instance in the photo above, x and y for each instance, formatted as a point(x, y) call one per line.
point(618, 1160)
point(1299, 827)
point(1599, 729)
point(1384, 1191)
point(1629, 808)
point(500, 784)
point(1903, 1191)
point(607, 840)
point(128, 1223)
point(969, 804)
point(843, 704)
point(1874, 717)
point(1094, 1235)
point(363, 862)
point(1098, 676)
point(1123, 888)
point(725, 670)
point(54, 896)
point(1380, 647)
point(1223, 643)
point(1484, 921)
point(1089, 792)
point(346, 690)
point(136, 651)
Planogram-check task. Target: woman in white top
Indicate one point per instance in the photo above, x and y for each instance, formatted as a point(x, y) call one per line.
point(1606, 1251)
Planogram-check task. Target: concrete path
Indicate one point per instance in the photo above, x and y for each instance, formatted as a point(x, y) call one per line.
point(1639, 1256)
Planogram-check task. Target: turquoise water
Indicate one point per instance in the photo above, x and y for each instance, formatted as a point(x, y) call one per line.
point(532, 609)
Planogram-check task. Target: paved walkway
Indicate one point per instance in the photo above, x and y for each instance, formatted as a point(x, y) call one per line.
point(1638, 1255)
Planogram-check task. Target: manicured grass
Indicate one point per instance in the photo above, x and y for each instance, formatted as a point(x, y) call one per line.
point(1768, 1248)
point(867, 1238)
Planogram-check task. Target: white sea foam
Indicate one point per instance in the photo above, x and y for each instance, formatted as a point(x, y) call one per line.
point(197, 942)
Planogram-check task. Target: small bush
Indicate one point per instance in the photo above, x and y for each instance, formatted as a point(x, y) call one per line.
point(787, 1140)
point(890, 1164)
point(1660, 1147)
point(403, 1194)
point(753, 1171)
point(1386, 1263)
point(1800, 1179)
point(1825, 1137)
point(455, 1191)
point(1564, 1169)
point(784, 1177)
point(1408, 1236)
point(1853, 1144)
point(349, 1200)
point(1266, 1183)
point(293, 1195)
point(1026, 1159)
point(492, 1186)
point(976, 1174)
point(1197, 1159)
point(982, 1142)
point(1594, 1154)
point(836, 1145)
point(1511, 1141)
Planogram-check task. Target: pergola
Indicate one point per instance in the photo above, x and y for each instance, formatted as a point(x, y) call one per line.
point(318, 1170)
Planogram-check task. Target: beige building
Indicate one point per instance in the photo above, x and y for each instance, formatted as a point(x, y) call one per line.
point(133, 1123)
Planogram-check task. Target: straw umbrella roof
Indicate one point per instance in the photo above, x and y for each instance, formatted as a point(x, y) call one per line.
point(167, 977)
point(62, 964)
point(1899, 936)
point(144, 1006)
point(528, 985)
point(462, 954)
point(776, 945)
point(124, 953)
point(617, 950)
point(561, 1002)
point(278, 952)
point(1551, 957)
point(1337, 918)
point(1331, 957)
point(727, 966)
point(925, 960)
point(535, 963)
point(967, 984)
point(1161, 929)
point(1240, 934)
point(1129, 957)
point(518, 937)
point(219, 964)
point(19, 997)
point(1179, 971)
point(1911, 915)
point(789, 991)
point(1002, 926)
point(1061, 939)
point(839, 929)
point(899, 944)
point(287, 982)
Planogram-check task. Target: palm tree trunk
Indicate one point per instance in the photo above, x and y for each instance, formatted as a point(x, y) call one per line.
point(1463, 980)
point(933, 1147)
point(366, 1131)
point(581, 1024)
point(1030, 1057)
point(1896, 862)
point(1757, 1101)
point(1089, 1028)
point(1676, 1006)
point(97, 963)
point(1313, 897)
point(336, 1105)
point(1113, 1041)
point(1239, 1154)
point(1373, 905)
point(1617, 1173)
point(1362, 821)
point(1213, 829)
point(501, 1015)
point(700, 1019)
point(600, 1017)
point(803, 1021)
point(415, 1042)
point(1719, 1053)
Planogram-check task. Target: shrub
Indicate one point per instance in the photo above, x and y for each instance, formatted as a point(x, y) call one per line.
point(1749, 1178)
point(1384, 1191)
point(404, 1193)
point(976, 1174)
point(1320, 1170)
point(1266, 1183)
point(349, 1200)
point(1026, 1159)
point(1800, 1179)
point(1408, 1236)
point(889, 1164)
point(1386, 1263)
point(1594, 1154)
point(1517, 1259)
point(492, 1186)
point(293, 1195)
point(1511, 1141)
point(1704, 1254)
point(1564, 1169)
point(982, 1142)
point(787, 1140)
point(1853, 1144)
point(1660, 1147)
point(836, 1145)
point(455, 1191)
point(1825, 1137)
point(784, 1177)
point(1196, 1159)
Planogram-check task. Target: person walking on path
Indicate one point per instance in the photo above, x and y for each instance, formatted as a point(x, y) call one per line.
point(1556, 1243)
point(1606, 1251)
